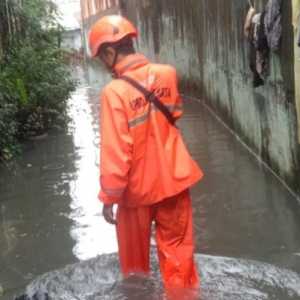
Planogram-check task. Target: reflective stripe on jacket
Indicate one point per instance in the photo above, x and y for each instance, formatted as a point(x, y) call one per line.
point(143, 157)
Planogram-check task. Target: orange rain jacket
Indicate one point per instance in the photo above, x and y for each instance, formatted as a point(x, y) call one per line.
point(143, 157)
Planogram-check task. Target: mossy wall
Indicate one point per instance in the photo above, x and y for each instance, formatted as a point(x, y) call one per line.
point(205, 41)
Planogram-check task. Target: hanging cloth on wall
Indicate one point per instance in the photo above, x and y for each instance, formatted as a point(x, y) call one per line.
point(261, 46)
point(296, 18)
point(258, 46)
point(263, 31)
point(273, 23)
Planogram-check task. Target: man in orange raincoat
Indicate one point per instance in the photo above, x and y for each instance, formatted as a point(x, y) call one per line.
point(145, 167)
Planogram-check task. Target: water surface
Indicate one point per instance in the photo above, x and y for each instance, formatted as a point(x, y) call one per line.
point(50, 215)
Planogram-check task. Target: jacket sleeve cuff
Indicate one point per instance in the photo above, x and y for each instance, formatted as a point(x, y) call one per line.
point(105, 199)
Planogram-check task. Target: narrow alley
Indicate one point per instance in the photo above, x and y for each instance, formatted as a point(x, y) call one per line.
point(237, 66)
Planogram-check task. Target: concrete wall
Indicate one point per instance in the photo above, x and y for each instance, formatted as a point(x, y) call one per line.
point(92, 7)
point(204, 40)
point(296, 22)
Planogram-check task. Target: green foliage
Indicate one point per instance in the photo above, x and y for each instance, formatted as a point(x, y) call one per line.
point(22, 91)
point(8, 123)
point(8, 131)
point(35, 83)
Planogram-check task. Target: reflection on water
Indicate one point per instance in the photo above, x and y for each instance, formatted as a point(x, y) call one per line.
point(92, 234)
point(50, 215)
point(49, 212)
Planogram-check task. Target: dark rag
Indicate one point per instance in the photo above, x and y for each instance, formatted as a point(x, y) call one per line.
point(273, 23)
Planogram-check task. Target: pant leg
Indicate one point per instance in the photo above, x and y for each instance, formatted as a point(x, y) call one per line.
point(133, 234)
point(174, 235)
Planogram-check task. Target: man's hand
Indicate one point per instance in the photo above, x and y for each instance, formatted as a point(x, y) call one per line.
point(108, 214)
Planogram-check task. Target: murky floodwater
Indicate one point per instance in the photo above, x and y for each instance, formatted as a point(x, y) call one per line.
point(50, 215)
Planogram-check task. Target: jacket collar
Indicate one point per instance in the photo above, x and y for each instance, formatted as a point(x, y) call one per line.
point(129, 63)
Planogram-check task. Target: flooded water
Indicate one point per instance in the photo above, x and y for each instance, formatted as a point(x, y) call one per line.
point(246, 222)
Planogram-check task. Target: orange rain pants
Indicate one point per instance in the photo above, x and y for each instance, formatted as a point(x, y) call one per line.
point(174, 237)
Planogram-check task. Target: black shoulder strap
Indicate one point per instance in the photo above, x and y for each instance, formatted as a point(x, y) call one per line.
point(150, 96)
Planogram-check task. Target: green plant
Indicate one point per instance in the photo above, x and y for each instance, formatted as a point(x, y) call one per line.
point(35, 82)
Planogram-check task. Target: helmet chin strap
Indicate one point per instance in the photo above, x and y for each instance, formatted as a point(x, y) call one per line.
point(114, 63)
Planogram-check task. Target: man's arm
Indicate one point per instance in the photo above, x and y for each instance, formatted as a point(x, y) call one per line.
point(116, 148)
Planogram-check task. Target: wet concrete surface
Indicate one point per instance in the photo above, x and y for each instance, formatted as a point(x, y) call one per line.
point(50, 215)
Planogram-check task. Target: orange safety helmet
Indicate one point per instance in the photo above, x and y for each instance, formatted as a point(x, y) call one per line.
point(109, 29)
